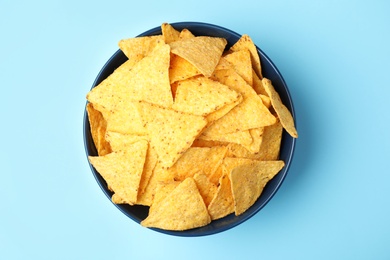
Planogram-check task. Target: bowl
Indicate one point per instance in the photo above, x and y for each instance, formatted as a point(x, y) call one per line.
point(137, 212)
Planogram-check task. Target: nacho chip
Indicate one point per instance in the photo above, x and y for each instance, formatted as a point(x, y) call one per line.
point(181, 69)
point(284, 114)
point(241, 62)
point(122, 170)
point(202, 52)
point(270, 146)
point(266, 100)
point(258, 85)
point(257, 137)
point(239, 137)
point(147, 80)
point(171, 132)
point(169, 33)
point(162, 191)
point(126, 120)
point(98, 126)
point(251, 113)
point(222, 204)
point(181, 209)
point(206, 188)
point(245, 42)
point(185, 34)
point(119, 141)
point(249, 180)
point(202, 96)
point(137, 48)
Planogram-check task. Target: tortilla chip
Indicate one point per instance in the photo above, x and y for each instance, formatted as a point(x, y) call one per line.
point(202, 52)
point(258, 85)
point(270, 146)
point(249, 180)
point(201, 96)
point(204, 160)
point(245, 42)
point(169, 33)
point(147, 80)
point(126, 120)
point(214, 116)
point(222, 204)
point(185, 34)
point(162, 191)
point(171, 132)
point(98, 126)
point(239, 137)
point(284, 114)
point(241, 62)
point(137, 48)
point(266, 101)
point(207, 143)
point(181, 209)
point(119, 141)
point(257, 137)
point(122, 170)
point(206, 188)
point(251, 113)
point(181, 69)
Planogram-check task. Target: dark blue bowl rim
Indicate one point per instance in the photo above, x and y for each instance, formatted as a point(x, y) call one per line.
point(288, 143)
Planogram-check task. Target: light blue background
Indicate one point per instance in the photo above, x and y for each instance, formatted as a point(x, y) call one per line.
point(335, 201)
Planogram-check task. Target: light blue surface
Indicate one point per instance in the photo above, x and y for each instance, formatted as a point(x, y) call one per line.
point(335, 58)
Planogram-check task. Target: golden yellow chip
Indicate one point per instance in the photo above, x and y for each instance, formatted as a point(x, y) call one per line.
point(284, 114)
point(147, 80)
point(206, 188)
point(137, 48)
point(201, 96)
point(202, 52)
point(222, 204)
point(203, 160)
point(181, 69)
point(257, 137)
point(119, 141)
point(157, 177)
point(258, 85)
point(122, 170)
point(126, 120)
point(241, 62)
point(98, 126)
point(270, 146)
point(245, 42)
point(162, 191)
point(181, 209)
point(266, 100)
point(250, 113)
point(214, 116)
point(169, 33)
point(240, 137)
point(171, 132)
point(185, 34)
point(249, 180)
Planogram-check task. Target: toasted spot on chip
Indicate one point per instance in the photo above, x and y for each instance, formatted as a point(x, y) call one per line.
point(249, 180)
point(222, 204)
point(98, 126)
point(284, 114)
point(171, 132)
point(201, 96)
point(137, 48)
point(181, 209)
point(122, 170)
point(201, 51)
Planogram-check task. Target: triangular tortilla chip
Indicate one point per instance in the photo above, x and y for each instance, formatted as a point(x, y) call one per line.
point(251, 113)
point(241, 62)
point(147, 80)
point(239, 137)
point(245, 42)
point(284, 114)
point(271, 141)
point(249, 180)
point(98, 126)
point(258, 85)
point(181, 69)
point(214, 116)
point(201, 96)
point(122, 170)
point(181, 209)
point(203, 52)
point(169, 33)
point(185, 34)
point(222, 204)
point(137, 48)
point(120, 141)
point(206, 188)
point(171, 132)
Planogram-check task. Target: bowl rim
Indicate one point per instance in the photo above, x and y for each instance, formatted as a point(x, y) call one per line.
point(221, 226)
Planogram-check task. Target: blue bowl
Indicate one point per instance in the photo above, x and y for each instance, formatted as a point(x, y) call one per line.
point(138, 213)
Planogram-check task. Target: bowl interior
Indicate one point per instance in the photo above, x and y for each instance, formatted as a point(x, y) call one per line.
point(138, 213)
